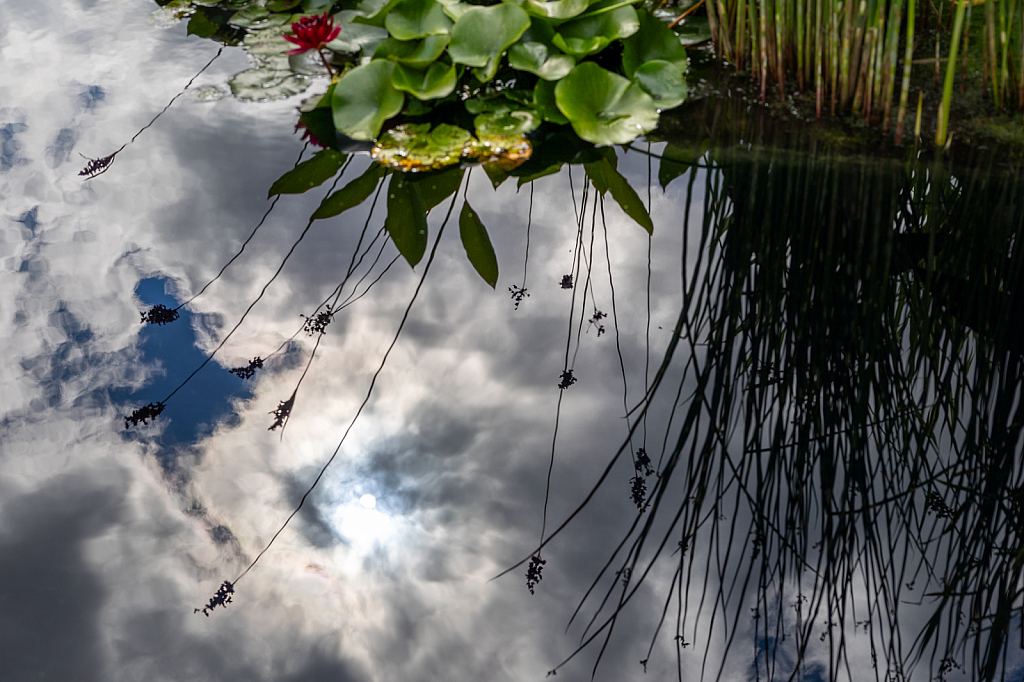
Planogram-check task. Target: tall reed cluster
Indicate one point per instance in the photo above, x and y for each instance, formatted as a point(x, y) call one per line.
point(849, 51)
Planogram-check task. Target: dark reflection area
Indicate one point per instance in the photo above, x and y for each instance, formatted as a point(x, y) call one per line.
point(842, 464)
point(201, 406)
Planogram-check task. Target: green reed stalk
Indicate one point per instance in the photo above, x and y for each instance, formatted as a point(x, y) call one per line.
point(845, 92)
point(741, 22)
point(895, 20)
point(801, 10)
point(834, 50)
point(1005, 27)
point(763, 23)
point(908, 58)
point(990, 32)
point(1020, 66)
point(947, 88)
point(819, 55)
point(780, 47)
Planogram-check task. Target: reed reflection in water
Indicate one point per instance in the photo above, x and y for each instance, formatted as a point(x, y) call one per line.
point(841, 464)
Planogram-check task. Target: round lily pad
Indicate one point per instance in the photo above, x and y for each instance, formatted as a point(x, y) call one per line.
point(603, 107)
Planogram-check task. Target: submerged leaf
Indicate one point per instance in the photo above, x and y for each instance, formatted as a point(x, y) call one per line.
point(505, 123)
point(415, 147)
point(406, 221)
point(352, 194)
point(607, 179)
point(364, 98)
point(436, 187)
point(261, 85)
point(310, 173)
point(478, 245)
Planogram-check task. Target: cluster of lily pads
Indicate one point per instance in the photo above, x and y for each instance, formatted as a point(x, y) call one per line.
point(500, 70)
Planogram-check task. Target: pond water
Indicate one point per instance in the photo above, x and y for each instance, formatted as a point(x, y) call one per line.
point(818, 352)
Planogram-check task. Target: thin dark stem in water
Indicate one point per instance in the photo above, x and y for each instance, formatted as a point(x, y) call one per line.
point(369, 392)
point(252, 305)
point(248, 239)
point(99, 166)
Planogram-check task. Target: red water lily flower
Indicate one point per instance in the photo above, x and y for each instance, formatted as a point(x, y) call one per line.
point(312, 33)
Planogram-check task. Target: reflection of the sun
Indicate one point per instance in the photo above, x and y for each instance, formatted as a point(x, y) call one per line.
point(361, 524)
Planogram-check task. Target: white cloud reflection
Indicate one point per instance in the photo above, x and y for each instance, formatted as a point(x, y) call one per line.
point(104, 554)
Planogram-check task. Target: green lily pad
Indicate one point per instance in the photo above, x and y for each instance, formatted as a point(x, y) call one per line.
point(406, 221)
point(555, 9)
point(591, 33)
point(654, 40)
point(478, 245)
point(282, 5)
point(663, 81)
point(354, 36)
point(373, 12)
point(547, 108)
point(364, 98)
point(414, 53)
point(603, 107)
point(481, 36)
point(264, 84)
point(434, 82)
point(455, 8)
point(505, 123)
point(537, 59)
point(412, 19)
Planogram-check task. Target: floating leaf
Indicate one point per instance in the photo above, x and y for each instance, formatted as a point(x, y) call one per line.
point(316, 6)
point(282, 5)
point(663, 81)
point(415, 53)
point(373, 12)
point(364, 98)
point(310, 173)
point(406, 221)
point(607, 179)
point(455, 8)
point(412, 19)
point(481, 36)
point(505, 123)
point(352, 194)
point(556, 9)
point(353, 36)
point(653, 40)
point(591, 33)
point(260, 85)
point(434, 82)
point(547, 109)
point(537, 59)
point(436, 187)
point(478, 245)
point(603, 107)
